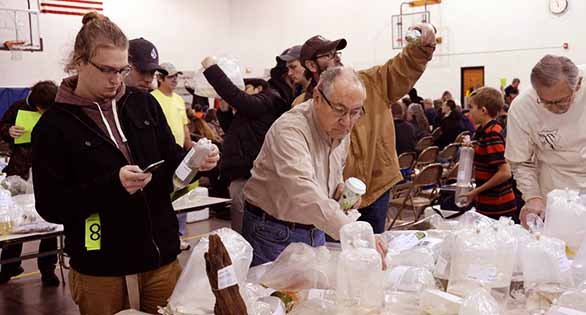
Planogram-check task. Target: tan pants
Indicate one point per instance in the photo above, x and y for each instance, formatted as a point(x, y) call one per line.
point(108, 295)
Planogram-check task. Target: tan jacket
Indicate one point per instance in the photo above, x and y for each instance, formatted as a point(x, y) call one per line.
point(296, 173)
point(372, 156)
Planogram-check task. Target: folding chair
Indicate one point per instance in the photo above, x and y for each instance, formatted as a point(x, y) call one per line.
point(423, 143)
point(416, 197)
point(427, 157)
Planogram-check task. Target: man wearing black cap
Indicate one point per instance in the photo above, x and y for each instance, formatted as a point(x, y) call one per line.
point(144, 59)
point(373, 157)
point(317, 55)
point(295, 71)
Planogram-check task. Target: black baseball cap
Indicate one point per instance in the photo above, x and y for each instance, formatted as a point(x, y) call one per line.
point(317, 45)
point(143, 55)
point(291, 54)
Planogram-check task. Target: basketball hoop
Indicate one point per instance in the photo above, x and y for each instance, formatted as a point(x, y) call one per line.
point(16, 47)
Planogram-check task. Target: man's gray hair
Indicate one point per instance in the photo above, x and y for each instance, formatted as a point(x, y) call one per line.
point(551, 69)
point(329, 77)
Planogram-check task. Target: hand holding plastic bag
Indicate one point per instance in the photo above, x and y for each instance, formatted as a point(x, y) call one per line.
point(232, 70)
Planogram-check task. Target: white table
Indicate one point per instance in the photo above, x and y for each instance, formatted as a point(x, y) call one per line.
point(13, 239)
point(184, 204)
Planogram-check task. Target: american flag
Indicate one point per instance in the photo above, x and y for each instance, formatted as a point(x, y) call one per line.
point(70, 7)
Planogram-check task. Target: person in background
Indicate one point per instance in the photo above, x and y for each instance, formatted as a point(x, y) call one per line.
point(295, 71)
point(414, 97)
point(173, 107)
point(452, 124)
point(416, 117)
point(256, 109)
point(493, 195)
point(446, 95)
point(40, 99)
point(89, 152)
point(144, 61)
point(437, 106)
point(430, 111)
point(212, 120)
point(514, 87)
point(405, 132)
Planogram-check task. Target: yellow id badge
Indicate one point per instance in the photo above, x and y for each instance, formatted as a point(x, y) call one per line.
point(93, 232)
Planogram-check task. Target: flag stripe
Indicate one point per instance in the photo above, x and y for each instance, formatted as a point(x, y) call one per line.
point(63, 12)
point(50, 5)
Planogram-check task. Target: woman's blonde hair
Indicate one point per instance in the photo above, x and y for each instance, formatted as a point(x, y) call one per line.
point(97, 32)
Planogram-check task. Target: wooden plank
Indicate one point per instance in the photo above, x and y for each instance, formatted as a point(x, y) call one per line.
point(420, 3)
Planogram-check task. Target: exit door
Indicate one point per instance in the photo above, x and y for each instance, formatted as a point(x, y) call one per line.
point(472, 79)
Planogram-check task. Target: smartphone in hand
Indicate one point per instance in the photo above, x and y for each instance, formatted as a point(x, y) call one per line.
point(153, 167)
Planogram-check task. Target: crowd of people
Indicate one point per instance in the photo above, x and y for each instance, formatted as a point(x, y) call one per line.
point(286, 142)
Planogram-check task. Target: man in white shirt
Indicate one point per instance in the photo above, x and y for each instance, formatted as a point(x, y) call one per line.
point(546, 133)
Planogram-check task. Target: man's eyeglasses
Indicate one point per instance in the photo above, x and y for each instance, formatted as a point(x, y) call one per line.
point(340, 111)
point(123, 72)
point(330, 55)
point(560, 102)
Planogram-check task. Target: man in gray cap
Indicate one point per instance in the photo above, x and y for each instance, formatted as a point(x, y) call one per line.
point(144, 59)
point(296, 72)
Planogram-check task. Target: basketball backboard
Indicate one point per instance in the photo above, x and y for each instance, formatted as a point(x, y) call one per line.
point(19, 25)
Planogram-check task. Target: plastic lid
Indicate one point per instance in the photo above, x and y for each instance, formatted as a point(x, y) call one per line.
point(356, 185)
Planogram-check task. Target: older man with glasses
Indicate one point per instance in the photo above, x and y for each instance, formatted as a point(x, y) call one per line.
point(546, 133)
point(373, 157)
point(297, 176)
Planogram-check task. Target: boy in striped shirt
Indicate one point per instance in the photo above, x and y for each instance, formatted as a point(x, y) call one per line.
point(493, 195)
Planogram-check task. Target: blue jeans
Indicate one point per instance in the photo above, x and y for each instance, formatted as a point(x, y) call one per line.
point(268, 238)
point(376, 213)
point(182, 220)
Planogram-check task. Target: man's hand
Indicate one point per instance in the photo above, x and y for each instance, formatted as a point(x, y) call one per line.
point(338, 195)
point(427, 34)
point(212, 160)
point(381, 248)
point(535, 206)
point(209, 61)
point(16, 131)
point(133, 179)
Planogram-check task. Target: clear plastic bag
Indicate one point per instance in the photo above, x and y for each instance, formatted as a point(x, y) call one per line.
point(301, 266)
point(565, 218)
point(480, 302)
point(357, 234)
point(11, 215)
point(482, 257)
point(573, 299)
point(408, 279)
point(412, 248)
point(546, 271)
point(435, 302)
point(360, 279)
point(16, 185)
point(232, 70)
point(193, 294)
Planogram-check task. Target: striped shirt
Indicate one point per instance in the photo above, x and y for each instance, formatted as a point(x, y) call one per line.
point(489, 154)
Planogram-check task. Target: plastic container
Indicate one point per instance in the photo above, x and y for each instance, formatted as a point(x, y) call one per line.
point(357, 235)
point(185, 173)
point(565, 218)
point(482, 258)
point(464, 180)
point(360, 279)
point(354, 188)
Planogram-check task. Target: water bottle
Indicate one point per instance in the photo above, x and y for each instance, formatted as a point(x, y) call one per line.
point(464, 183)
point(413, 36)
point(184, 173)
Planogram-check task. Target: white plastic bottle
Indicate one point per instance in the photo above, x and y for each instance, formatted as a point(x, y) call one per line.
point(184, 173)
point(464, 183)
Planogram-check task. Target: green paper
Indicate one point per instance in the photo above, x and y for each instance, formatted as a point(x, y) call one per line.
point(503, 82)
point(93, 232)
point(26, 119)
